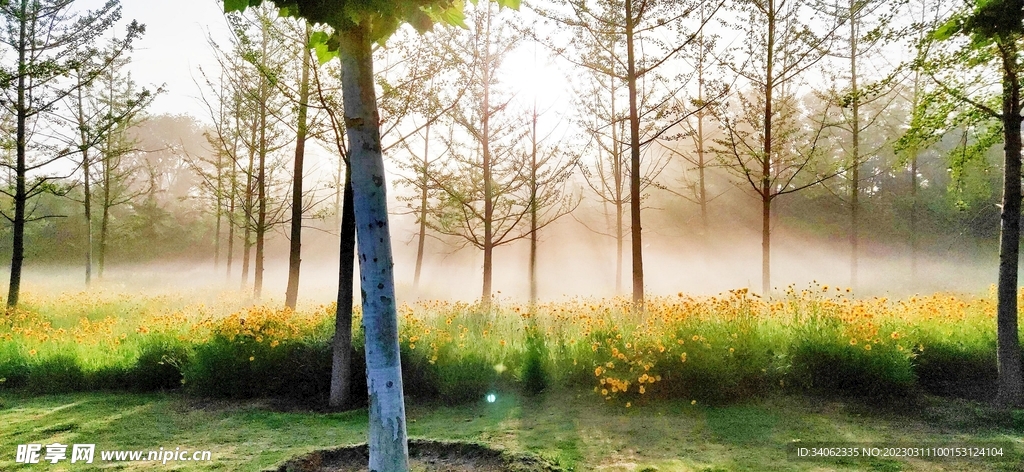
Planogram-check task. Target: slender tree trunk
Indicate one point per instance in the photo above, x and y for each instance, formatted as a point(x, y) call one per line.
point(387, 441)
point(261, 181)
point(104, 218)
point(634, 176)
point(88, 214)
point(766, 162)
point(247, 216)
point(855, 138)
point(20, 193)
point(1011, 385)
point(619, 198)
point(231, 227)
point(294, 254)
point(341, 353)
point(424, 183)
point(485, 141)
point(533, 209)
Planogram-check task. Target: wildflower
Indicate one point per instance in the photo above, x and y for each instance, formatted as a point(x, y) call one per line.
point(853, 341)
point(32, 352)
point(252, 358)
point(867, 347)
point(628, 404)
point(695, 337)
point(682, 357)
point(604, 391)
point(894, 335)
point(693, 402)
point(642, 389)
point(598, 371)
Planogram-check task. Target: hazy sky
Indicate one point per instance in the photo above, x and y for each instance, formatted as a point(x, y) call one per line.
point(174, 46)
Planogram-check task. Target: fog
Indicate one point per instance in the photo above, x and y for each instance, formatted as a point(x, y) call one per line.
point(572, 261)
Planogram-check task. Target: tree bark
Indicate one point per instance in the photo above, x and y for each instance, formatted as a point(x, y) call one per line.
point(766, 162)
point(20, 195)
point(422, 236)
point(387, 440)
point(634, 177)
point(1011, 385)
point(855, 137)
point(485, 142)
point(341, 358)
point(295, 244)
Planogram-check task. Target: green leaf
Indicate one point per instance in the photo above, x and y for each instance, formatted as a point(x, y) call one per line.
point(319, 42)
point(236, 5)
point(513, 4)
point(949, 29)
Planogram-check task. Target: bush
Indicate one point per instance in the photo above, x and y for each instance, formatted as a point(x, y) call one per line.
point(59, 373)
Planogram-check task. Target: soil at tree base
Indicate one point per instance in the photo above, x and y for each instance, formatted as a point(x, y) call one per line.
point(424, 456)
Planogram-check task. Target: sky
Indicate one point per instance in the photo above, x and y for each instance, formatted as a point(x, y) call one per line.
point(173, 48)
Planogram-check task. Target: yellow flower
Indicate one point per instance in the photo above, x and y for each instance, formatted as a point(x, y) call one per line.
point(598, 371)
point(695, 337)
point(604, 391)
point(682, 357)
point(853, 341)
point(251, 358)
point(693, 402)
point(32, 352)
point(628, 404)
point(642, 389)
point(867, 347)
point(894, 335)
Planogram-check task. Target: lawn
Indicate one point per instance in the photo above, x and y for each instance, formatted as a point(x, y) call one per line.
point(569, 429)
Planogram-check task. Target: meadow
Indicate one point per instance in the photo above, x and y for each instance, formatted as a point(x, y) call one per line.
point(683, 356)
point(713, 349)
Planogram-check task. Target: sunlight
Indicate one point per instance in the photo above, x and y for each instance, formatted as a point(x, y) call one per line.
point(532, 76)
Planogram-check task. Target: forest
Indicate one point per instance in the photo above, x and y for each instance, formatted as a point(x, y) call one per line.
point(603, 209)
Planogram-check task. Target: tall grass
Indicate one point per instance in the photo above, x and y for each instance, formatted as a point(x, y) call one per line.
point(704, 349)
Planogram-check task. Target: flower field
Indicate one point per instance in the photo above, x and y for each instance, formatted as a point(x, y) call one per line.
point(713, 349)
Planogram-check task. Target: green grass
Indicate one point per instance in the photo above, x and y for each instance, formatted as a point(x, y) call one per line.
point(570, 429)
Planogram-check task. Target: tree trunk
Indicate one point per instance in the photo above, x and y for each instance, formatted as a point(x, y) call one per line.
point(855, 137)
point(533, 210)
point(422, 236)
point(1011, 385)
point(387, 440)
point(261, 180)
point(294, 253)
point(634, 177)
point(20, 196)
point(485, 142)
point(341, 359)
point(104, 220)
point(766, 162)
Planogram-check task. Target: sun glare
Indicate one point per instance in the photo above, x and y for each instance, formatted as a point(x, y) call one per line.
point(534, 77)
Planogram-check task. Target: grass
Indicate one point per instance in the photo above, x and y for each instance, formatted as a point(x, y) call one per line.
point(719, 349)
point(563, 427)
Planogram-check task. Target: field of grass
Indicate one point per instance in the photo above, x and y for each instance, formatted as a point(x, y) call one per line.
point(707, 349)
point(722, 382)
point(565, 428)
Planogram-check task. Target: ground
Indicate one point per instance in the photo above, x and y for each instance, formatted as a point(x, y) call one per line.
point(576, 431)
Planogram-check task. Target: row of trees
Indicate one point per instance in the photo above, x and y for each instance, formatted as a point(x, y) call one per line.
point(652, 76)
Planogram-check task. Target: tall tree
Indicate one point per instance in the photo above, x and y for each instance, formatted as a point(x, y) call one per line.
point(480, 201)
point(49, 39)
point(994, 29)
point(766, 144)
point(295, 241)
point(357, 26)
point(638, 26)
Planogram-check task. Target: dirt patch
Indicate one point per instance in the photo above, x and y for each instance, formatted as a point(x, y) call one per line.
point(424, 456)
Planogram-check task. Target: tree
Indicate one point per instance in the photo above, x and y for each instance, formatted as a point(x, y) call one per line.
point(354, 35)
point(986, 36)
point(765, 142)
point(295, 246)
point(636, 26)
point(50, 40)
point(479, 200)
point(100, 115)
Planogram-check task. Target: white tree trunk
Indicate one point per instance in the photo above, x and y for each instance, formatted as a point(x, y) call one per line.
point(389, 450)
